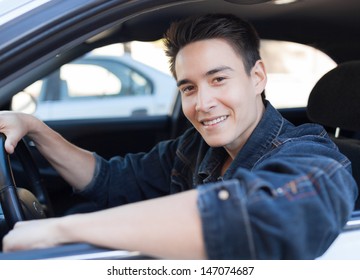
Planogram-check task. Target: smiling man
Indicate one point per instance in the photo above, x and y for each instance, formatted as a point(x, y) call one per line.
point(245, 183)
point(220, 99)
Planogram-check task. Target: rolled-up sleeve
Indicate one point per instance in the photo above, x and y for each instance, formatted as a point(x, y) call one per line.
point(226, 225)
point(283, 209)
point(132, 178)
point(93, 189)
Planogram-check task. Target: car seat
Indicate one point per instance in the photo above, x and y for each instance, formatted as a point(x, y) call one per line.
point(334, 103)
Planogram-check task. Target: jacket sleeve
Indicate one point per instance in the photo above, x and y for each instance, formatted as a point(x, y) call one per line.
point(135, 177)
point(292, 205)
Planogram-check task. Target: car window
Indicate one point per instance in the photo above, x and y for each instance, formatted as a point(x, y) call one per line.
point(292, 69)
point(125, 80)
point(88, 80)
point(91, 78)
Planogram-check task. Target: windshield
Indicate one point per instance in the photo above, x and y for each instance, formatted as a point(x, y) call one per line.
point(12, 9)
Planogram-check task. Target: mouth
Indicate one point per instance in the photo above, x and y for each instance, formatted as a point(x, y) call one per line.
point(214, 121)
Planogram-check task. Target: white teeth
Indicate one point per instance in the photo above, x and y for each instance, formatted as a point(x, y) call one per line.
point(215, 121)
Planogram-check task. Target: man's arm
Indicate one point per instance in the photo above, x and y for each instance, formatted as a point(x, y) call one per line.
point(167, 227)
point(63, 156)
point(296, 220)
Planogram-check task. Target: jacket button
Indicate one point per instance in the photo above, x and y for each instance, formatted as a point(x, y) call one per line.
point(223, 194)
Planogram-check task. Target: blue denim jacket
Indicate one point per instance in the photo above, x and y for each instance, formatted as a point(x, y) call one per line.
point(286, 195)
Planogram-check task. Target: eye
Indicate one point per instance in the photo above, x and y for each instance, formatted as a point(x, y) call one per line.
point(187, 89)
point(218, 80)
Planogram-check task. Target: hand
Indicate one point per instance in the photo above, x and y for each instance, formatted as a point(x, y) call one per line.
point(33, 234)
point(15, 126)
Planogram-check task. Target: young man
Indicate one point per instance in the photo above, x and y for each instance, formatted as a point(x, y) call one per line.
point(246, 183)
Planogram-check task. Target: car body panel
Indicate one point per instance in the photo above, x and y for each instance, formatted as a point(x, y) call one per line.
point(56, 32)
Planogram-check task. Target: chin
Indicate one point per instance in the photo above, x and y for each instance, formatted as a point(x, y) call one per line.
point(215, 139)
point(215, 143)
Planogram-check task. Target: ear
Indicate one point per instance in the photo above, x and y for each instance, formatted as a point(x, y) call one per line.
point(259, 77)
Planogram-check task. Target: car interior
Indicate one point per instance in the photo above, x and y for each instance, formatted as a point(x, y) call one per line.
point(337, 91)
point(332, 102)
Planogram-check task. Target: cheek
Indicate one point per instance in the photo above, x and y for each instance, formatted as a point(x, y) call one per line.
point(234, 98)
point(188, 108)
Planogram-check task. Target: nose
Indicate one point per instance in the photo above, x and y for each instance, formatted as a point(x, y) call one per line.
point(204, 100)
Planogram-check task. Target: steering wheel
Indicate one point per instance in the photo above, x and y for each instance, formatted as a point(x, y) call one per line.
point(19, 204)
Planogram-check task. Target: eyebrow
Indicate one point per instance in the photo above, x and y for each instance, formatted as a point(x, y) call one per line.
point(208, 73)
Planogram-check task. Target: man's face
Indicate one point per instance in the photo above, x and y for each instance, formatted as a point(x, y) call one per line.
point(218, 97)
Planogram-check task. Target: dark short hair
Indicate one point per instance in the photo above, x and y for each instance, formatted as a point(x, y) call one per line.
point(239, 33)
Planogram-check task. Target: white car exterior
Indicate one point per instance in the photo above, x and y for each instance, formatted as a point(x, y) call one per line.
point(99, 86)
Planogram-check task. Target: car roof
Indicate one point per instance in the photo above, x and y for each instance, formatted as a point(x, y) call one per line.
point(326, 24)
point(317, 22)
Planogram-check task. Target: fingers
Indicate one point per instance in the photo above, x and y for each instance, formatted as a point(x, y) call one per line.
point(9, 242)
point(11, 140)
point(9, 146)
point(13, 125)
point(16, 239)
point(27, 235)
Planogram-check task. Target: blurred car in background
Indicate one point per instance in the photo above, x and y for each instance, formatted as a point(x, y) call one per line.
point(120, 85)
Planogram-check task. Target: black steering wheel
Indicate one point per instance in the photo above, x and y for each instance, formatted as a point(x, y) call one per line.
point(19, 204)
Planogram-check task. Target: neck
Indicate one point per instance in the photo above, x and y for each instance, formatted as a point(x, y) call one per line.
point(236, 146)
point(226, 165)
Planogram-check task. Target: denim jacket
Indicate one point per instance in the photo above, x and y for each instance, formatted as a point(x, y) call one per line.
point(286, 195)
